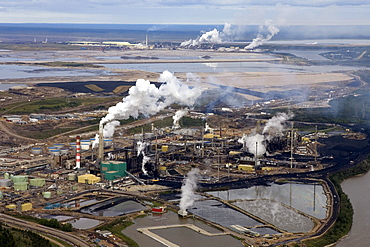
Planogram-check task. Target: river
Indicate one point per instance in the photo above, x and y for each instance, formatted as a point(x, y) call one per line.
point(358, 190)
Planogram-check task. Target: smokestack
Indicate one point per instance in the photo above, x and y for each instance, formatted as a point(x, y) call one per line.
point(146, 39)
point(78, 152)
point(101, 144)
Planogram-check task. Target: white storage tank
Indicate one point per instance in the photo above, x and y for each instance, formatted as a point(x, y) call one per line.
point(58, 145)
point(72, 176)
point(64, 151)
point(36, 150)
point(5, 182)
point(108, 142)
point(85, 144)
point(55, 152)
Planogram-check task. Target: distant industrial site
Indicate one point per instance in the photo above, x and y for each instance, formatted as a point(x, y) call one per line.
point(204, 142)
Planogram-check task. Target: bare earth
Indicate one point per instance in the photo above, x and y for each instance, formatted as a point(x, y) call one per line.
point(257, 81)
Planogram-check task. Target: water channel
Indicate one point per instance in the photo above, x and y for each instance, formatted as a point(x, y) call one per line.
point(358, 191)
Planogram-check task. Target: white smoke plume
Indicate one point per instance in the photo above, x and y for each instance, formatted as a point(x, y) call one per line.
point(271, 30)
point(214, 36)
point(140, 150)
point(108, 132)
point(178, 115)
point(275, 127)
point(256, 143)
point(147, 99)
point(188, 188)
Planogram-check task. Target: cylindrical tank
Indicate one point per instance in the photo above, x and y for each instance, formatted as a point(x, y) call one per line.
point(72, 176)
point(108, 142)
point(19, 179)
point(58, 145)
point(5, 182)
point(73, 145)
point(85, 144)
point(36, 150)
point(21, 186)
point(6, 175)
point(52, 148)
point(46, 194)
point(37, 181)
point(55, 152)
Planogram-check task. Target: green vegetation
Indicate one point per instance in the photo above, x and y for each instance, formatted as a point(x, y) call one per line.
point(116, 227)
point(53, 223)
point(345, 217)
point(57, 104)
point(12, 237)
point(69, 64)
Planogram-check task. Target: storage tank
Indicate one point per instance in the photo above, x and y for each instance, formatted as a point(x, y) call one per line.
point(26, 206)
point(6, 175)
point(72, 176)
point(21, 186)
point(37, 182)
point(106, 166)
point(73, 145)
point(119, 166)
point(111, 175)
point(46, 194)
point(19, 179)
point(52, 148)
point(58, 145)
point(55, 152)
point(11, 206)
point(64, 151)
point(85, 144)
point(108, 142)
point(36, 151)
point(5, 182)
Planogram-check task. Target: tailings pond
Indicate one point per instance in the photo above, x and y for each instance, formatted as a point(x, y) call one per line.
point(114, 207)
point(181, 236)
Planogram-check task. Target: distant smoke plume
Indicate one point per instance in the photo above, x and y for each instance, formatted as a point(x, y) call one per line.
point(188, 188)
point(214, 36)
point(255, 143)
point(178, 115)
point(262, 36)
point(275, 127)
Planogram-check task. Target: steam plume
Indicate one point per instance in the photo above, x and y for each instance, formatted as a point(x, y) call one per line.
point(147, 99)
point(273, 127)
point(178, 115)
point(188, 188)
point(260, 39)
point(213, 36)
point(140, 150)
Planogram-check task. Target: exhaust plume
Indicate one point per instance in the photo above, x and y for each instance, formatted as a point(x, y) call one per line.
point(147, 99)
point(271, 30)
point(178, 115)
point(213, 36)
point(140, 150)
point(187, 189)
point(256, 143)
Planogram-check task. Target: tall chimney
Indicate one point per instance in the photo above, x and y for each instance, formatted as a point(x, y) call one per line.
point(78, 152)
point(101, 144)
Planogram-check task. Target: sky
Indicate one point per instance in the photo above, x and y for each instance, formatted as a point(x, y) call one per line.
point(238, 12)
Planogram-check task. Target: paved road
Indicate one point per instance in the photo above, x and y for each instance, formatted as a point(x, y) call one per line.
point(66, 236)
